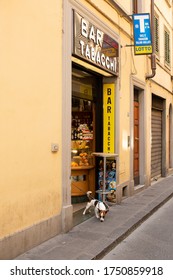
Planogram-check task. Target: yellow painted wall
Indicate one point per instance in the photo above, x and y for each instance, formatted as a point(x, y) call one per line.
point(126, 5)
point(30, 112)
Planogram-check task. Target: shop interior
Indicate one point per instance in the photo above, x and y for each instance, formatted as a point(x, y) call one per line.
point(83, 135)
point(86, 136)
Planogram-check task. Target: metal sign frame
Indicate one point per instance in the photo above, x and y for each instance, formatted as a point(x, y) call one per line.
point(94, 46)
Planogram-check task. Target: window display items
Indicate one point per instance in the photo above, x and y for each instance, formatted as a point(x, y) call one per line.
point(110, 179)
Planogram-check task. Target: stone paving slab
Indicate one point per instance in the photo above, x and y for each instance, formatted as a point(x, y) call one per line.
point(92, 239)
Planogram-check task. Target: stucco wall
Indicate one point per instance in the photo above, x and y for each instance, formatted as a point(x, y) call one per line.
point(30, 112)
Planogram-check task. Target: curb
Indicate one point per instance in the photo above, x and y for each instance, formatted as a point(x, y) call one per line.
point(127, 232)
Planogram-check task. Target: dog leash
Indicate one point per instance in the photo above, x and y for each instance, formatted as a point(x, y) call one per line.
point(90, 195)
point(82, 190)
point(79, 188)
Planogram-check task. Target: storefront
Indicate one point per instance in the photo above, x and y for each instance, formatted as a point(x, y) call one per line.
point(94, 75)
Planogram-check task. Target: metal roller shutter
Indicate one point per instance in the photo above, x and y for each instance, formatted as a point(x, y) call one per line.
point(156, 144)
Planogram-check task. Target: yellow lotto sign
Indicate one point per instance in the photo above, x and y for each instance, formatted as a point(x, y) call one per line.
point(108, 115)
point(143, 49)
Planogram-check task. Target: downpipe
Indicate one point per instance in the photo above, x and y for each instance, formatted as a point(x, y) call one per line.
point(153, 56)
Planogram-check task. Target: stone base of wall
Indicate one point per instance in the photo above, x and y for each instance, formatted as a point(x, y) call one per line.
point(20, 242)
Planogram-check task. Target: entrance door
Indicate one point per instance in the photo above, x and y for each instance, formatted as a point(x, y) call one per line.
point(170, 136)
point(136, 143)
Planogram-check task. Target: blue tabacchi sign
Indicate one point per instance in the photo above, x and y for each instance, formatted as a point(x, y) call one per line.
point(142, 34)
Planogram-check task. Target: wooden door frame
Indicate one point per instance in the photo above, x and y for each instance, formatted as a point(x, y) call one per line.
point(136, 143)
point(140, 86)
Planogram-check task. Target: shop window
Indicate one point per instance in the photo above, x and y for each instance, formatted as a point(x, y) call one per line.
point(84, 90)
point(82, 132)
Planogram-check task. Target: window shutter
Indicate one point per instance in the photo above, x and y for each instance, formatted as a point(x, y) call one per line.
point(167, 47)
point(156, 34)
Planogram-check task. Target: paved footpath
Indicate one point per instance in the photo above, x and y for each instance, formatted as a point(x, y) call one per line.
point(93, 239)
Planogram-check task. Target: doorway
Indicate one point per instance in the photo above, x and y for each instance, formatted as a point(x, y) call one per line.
point(136, 138)
point(86, 136)
point(170, 137)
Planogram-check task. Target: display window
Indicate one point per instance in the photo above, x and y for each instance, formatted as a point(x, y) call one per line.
point(83, 139)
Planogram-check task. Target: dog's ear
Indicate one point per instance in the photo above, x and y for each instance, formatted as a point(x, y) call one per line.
point(106, 206)
point(95, 203)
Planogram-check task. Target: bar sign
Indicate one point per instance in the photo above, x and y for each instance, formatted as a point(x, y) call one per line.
point(109, 113)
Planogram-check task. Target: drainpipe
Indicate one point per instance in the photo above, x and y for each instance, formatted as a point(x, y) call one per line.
point(153, 56)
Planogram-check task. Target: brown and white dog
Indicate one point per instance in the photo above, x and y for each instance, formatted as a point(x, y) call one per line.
point(100, 208)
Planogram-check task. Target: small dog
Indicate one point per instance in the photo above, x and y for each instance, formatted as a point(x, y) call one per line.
point(100, 208)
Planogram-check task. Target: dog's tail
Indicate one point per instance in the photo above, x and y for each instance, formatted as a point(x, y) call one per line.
point(90, 197)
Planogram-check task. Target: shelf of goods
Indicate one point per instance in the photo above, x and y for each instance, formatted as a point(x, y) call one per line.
point(82, 168)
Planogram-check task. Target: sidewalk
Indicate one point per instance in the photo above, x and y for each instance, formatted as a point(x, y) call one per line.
point(92, 239)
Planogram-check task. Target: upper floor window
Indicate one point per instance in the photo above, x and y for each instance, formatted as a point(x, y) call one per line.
point(156, 34)
point(167, 46)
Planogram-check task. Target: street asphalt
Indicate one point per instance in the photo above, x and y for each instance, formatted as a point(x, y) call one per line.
point(93, 239)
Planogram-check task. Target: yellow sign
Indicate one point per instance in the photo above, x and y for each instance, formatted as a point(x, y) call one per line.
point(143, 49)
point(109, 114)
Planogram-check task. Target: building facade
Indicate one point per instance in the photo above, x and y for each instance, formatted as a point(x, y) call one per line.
point(71, 85)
